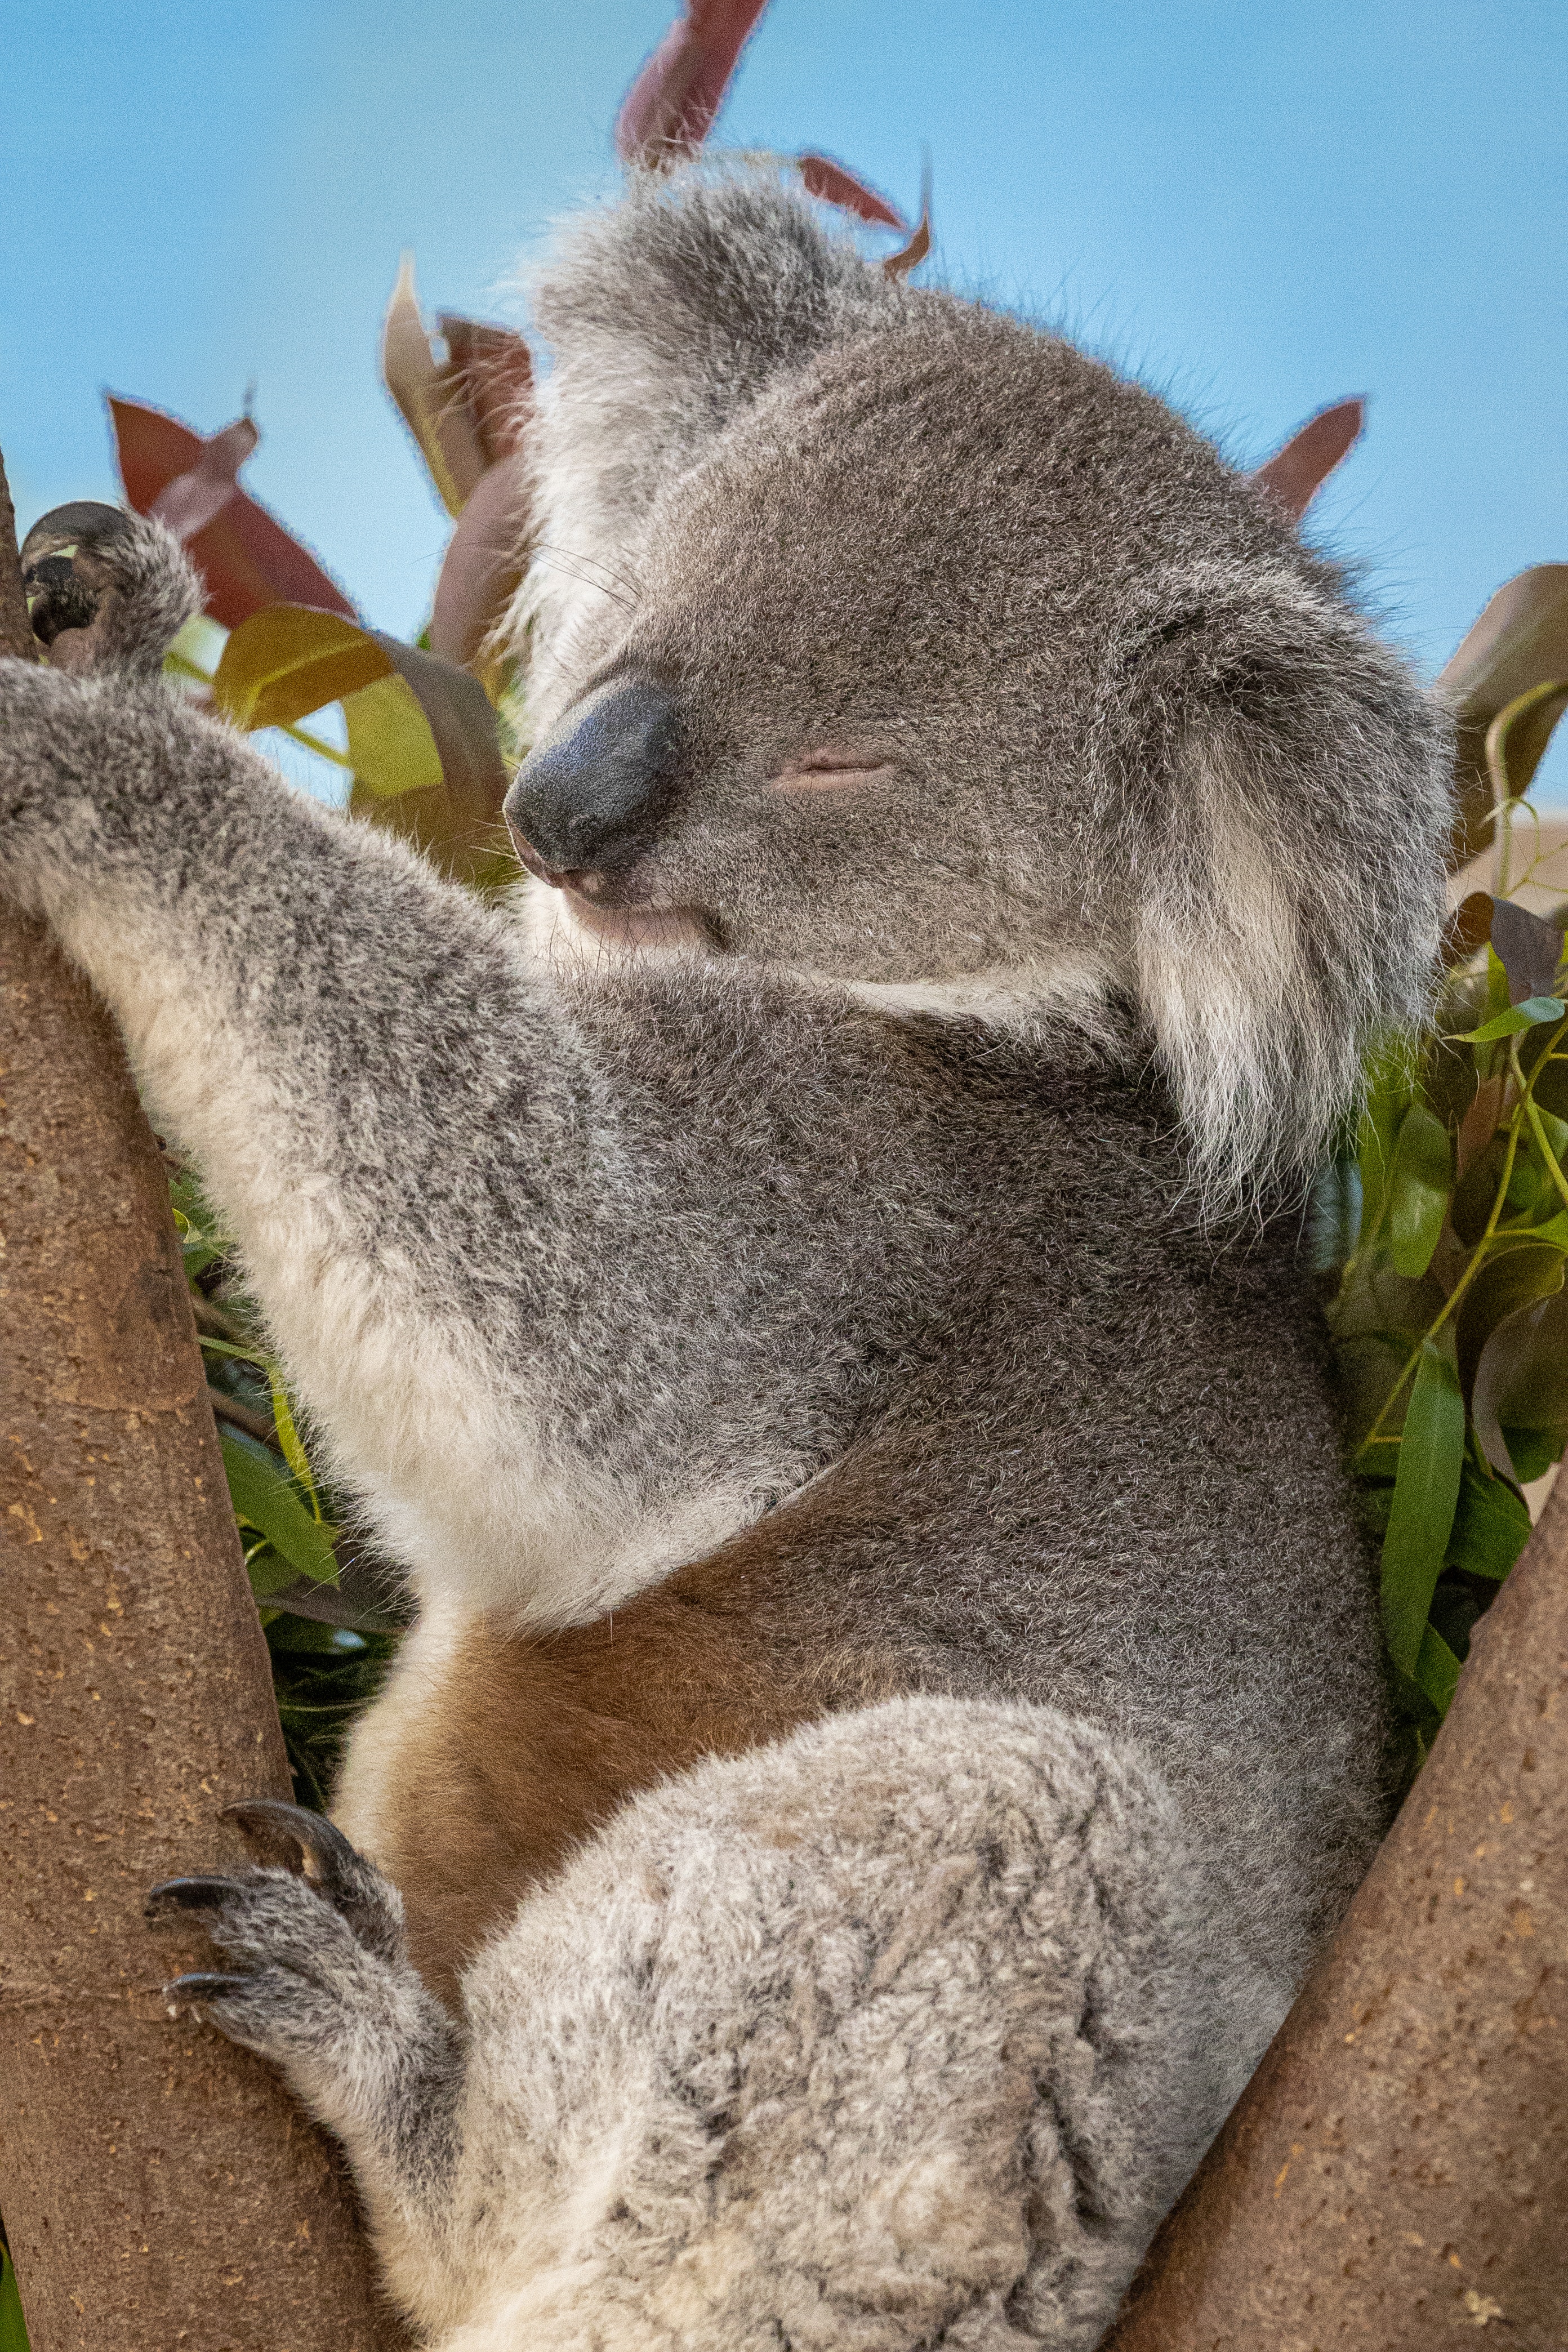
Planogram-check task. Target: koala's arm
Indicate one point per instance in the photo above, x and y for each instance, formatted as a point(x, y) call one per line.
point(446, 1203)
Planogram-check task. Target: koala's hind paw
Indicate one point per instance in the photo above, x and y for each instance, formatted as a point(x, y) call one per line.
point(325, 1951)
point(107, 590)
point(319, 1984)
point(370, 1903)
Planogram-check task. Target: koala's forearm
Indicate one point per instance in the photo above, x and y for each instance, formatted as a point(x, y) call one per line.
point(355, 1061)
point(465, 1240)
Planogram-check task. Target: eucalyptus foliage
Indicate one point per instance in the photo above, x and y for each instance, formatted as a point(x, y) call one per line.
point(1447, 1220)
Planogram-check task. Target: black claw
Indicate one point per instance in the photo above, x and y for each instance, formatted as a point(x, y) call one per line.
point(330, 1861)
point(188, 1894)
point(202, 1985)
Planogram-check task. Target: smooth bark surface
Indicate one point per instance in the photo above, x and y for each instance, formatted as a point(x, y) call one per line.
point(158, 2186)
point(1396, 2172)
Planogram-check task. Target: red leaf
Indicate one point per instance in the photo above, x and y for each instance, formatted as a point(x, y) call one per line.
point(491, 369)
point(1295, 474)
point(192, 500)
point(244, 553)
point(836, 185)
point(910, 255)
point(670, 107)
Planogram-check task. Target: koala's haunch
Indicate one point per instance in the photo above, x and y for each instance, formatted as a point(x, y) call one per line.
point(895, 1705)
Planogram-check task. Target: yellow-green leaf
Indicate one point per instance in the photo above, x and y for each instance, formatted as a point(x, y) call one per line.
point(288, 660)
point(391, 748)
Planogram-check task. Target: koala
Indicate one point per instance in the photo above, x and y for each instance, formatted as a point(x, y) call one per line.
point(810, 1292)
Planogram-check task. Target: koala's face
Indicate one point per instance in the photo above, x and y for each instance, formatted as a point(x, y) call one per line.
point(854, 718)
point(928, 655)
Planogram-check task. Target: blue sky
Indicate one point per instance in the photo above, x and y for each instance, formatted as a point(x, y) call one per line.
point(1257, 208)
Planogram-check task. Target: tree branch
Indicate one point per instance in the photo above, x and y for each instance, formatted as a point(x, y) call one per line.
point(159, 2186)
point(1398, 2165)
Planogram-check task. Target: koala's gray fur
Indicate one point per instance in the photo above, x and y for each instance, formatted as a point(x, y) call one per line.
point(920, 1974)
point(868, 1223)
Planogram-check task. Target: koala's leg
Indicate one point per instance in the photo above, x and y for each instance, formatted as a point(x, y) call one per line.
point(902, 2033)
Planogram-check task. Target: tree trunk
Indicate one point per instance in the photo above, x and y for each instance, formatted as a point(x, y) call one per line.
point(159, 2186)
point(1398, 2166)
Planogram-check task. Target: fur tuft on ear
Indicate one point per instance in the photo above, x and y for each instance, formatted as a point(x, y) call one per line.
point(1285, 849)
point(667, 314)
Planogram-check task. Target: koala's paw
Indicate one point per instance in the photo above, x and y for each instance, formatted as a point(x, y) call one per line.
point(107, 590)
point(320, 1955)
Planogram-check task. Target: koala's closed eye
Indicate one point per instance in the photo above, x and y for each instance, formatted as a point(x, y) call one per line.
point(833, 771)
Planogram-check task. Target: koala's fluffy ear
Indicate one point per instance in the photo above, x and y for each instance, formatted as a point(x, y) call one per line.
point(665, 314)
point(1285, 847)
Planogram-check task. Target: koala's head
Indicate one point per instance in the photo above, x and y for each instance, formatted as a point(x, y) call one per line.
point(879, 637)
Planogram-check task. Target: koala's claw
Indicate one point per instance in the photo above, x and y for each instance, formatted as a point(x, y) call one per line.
point(332, 1865)
point(259, 1912)
point(172, 1895)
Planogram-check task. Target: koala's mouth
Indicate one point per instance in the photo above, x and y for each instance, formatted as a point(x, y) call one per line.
point(638, 927)
point(587, 896)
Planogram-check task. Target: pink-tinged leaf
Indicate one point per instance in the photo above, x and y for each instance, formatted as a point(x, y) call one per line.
point(1522, 1383)
point(671, 106)
point(492, 371)
point(1295, 474)
point(192, 500)
point(1528, 947)
point(481, 568)
point(245, 555)
point(1469, 926)
point(836, 185)
point(1518, 645)
point(434, 412)
point(1478, 1125)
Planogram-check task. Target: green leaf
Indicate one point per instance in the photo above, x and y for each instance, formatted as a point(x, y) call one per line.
point(12, 2326)
point(1491, 1527)
point(1528, 1015)
point(1426, 1490)
point(1387, 1095)
point(266, 1498)
point(1437, 1669)
point(233, 1347)
point(1418, 1191)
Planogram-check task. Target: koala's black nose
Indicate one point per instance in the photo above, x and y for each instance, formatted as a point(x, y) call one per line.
point(588, 795)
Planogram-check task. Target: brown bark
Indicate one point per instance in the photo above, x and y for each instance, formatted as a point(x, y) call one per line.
point(159, 2186)
point(1398, 2166)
